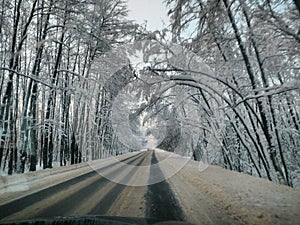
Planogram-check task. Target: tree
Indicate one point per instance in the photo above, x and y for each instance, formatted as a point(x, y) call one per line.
point(220, 28)
point(52, 48)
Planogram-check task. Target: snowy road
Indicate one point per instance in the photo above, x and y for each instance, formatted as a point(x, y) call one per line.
point(212, 196)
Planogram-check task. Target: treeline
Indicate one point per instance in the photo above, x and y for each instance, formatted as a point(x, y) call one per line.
point(54, 105)
point(248, 107)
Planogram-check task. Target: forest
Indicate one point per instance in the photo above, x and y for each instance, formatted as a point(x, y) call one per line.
point(219, 84)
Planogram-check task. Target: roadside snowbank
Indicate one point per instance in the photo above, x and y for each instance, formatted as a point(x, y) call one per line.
point(249, 199)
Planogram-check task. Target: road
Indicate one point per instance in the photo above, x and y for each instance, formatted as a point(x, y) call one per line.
point(114, 188)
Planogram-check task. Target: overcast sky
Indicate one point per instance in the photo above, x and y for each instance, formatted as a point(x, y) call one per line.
point(154, 11)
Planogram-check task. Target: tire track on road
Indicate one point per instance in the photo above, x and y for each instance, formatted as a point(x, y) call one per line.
point(161, 202)
point(106, 203)
point(132, 202)
point(69, 203)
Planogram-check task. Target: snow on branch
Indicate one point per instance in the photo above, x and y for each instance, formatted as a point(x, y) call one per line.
point(289, 86)
point(27, 76)
point(32, 77)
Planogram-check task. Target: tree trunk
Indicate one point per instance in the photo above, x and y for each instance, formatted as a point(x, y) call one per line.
point(269, 98)
point(265, 122)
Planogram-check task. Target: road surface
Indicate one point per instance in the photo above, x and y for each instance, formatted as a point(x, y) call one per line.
point(111, 187)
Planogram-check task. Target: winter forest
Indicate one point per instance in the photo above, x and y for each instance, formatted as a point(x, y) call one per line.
point(219, 84)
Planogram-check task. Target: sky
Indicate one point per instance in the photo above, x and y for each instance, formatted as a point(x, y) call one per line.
point(154, 11)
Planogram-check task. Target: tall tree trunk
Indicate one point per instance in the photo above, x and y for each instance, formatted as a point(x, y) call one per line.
point(32, 89)
point(6, 114)
point(260, 149)
point(266, 85)
point(264, 117)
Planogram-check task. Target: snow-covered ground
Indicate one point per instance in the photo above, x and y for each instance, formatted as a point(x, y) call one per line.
point(247, 199)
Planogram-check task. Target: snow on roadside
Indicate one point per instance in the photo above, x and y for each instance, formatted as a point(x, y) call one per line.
point(250, 199)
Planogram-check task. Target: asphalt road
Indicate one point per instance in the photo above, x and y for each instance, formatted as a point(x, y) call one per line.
point(93, 194)
point(115, 189)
